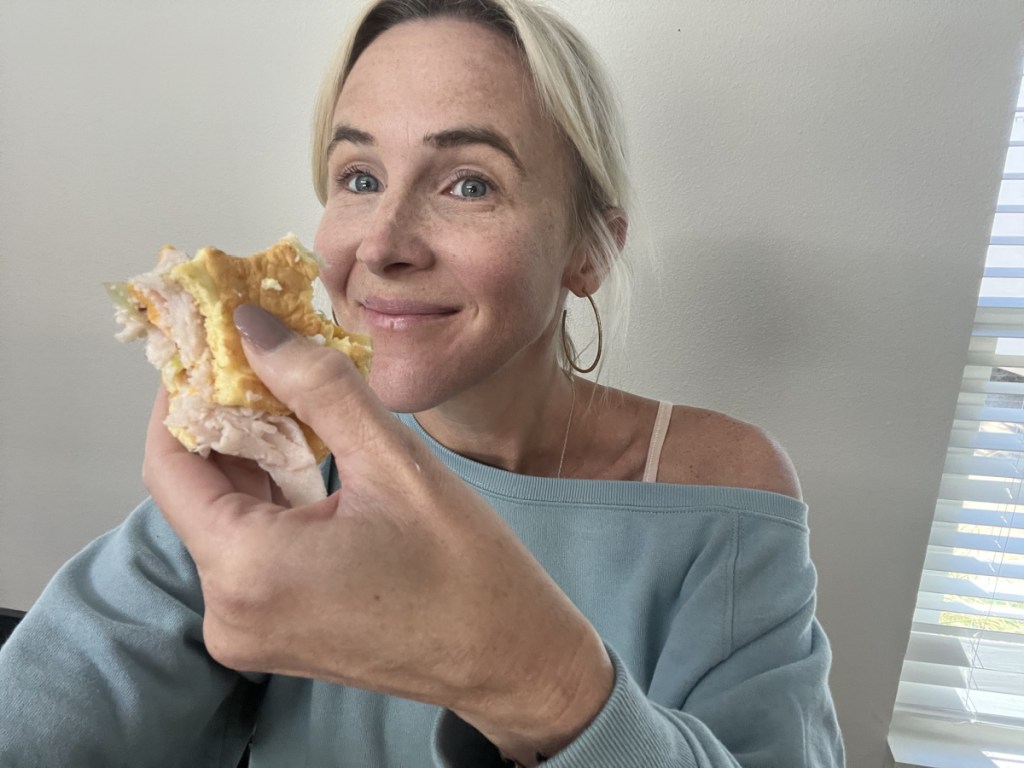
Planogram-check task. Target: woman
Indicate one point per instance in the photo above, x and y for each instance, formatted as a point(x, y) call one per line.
point(497, 579)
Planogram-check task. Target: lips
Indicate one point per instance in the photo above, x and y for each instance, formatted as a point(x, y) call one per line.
point(387, 306)
point(400, 314)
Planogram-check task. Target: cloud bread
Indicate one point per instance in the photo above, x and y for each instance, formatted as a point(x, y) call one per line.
point(184, 309)
point(279, 279)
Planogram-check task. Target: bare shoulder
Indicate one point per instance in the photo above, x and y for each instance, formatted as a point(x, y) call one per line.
point(710, 448)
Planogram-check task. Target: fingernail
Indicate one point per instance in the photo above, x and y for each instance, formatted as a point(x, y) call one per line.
point(260, 328)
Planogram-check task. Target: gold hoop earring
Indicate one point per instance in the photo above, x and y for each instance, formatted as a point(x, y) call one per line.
point(570, 355)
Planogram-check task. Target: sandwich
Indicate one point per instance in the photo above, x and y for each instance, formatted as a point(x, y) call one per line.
point(184, 307)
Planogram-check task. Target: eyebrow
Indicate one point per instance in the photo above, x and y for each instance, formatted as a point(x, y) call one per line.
point(468, 135)
point(350, 134)
point(447, 139)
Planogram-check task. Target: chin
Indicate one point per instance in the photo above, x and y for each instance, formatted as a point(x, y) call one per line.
point(406, 391)
point(424, 381)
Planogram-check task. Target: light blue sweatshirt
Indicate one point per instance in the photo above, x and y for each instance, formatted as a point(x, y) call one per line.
point(704, 597)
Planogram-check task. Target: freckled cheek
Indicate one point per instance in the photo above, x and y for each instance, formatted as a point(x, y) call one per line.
point(335, 274)
point(336, 243)
point(334, 235)
point(516, 282)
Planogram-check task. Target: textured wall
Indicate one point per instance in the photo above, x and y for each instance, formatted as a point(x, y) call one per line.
point(816, 180)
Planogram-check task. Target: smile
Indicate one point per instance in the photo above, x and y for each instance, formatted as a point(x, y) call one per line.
point(402, 314)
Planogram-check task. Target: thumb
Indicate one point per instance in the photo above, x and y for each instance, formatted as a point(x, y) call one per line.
point(320, 384)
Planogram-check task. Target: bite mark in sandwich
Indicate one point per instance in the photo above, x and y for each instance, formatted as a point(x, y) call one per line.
point(183, 308)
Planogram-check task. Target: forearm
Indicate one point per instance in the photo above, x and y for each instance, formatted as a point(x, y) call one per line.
point(629, 731)
point(750, 725)
point(547, 710)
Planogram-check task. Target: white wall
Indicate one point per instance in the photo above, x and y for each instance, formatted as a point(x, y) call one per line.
point(818, 179)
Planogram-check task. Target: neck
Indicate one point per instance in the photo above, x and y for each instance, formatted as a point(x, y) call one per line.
point(508, 422)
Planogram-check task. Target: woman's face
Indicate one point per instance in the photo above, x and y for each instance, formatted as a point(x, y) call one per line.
point(446, 231)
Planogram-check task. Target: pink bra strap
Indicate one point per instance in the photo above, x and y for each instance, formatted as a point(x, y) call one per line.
point(657, 442)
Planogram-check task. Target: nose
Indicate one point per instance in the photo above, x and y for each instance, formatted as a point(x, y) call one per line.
point(394, 238)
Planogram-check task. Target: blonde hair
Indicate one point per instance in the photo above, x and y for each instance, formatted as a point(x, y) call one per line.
point(573, 89)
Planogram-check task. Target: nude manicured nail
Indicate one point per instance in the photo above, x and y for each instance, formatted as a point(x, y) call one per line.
point(260, 328)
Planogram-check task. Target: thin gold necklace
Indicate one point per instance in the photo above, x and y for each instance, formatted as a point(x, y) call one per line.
point(568, 425)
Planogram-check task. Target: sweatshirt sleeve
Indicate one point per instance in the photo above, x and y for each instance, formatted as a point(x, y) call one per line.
point(764, 704)
point(109, 668)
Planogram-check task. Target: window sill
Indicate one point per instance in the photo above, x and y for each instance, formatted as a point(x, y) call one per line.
point(928, 742)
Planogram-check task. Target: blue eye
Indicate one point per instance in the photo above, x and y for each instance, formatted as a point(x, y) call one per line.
point(362, 183)
point(471, 187)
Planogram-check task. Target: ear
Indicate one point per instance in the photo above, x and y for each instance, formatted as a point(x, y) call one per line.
point(618, 224)
point(583, 276)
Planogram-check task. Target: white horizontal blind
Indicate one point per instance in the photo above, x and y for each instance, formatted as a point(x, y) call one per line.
point(962, 685)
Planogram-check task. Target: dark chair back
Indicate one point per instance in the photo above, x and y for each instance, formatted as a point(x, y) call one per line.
point(9, 619)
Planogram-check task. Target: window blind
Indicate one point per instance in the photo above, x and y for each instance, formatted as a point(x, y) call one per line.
point(961, 692)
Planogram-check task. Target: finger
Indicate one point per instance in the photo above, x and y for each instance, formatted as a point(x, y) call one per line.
point(245, 475)
point(189, 490)
point(319, 383)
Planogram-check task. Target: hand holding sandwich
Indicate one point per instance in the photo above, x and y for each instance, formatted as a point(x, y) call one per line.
point(404, 581)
